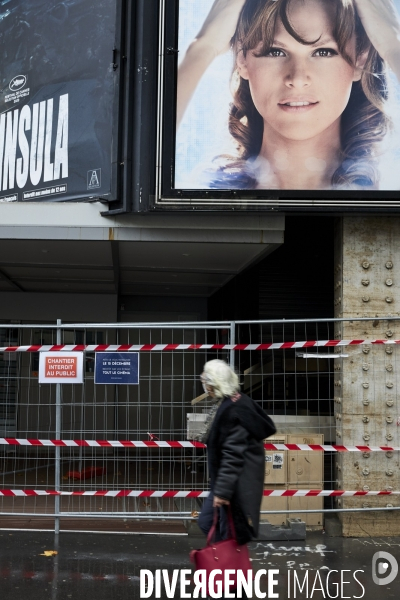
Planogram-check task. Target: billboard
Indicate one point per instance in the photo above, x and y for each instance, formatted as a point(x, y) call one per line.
point(282, 102)
point(56, 99)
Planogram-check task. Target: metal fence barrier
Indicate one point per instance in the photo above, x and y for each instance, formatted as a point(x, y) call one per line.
point(121, 451)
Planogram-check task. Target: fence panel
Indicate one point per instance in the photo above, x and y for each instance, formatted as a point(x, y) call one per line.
point(319, 392)
point(156, 409)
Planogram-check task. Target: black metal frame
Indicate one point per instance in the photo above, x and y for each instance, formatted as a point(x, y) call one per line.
point(134, 142)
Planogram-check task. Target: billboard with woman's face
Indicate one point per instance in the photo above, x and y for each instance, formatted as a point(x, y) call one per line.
point(288, 101)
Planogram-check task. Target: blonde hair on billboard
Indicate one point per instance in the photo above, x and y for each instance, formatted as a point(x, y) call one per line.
point(218, 374)
point(364, 122)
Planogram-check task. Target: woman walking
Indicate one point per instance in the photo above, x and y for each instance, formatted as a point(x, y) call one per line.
point(234, 432)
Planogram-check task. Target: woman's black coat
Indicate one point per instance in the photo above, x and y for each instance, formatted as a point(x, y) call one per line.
point(236, 460)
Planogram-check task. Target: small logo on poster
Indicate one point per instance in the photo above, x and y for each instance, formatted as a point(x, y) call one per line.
point(17, 88)
point(94, 179)
point(17, 83)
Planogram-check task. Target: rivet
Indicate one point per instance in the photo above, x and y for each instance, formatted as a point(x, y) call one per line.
point(389, 368)
point(389, 505)
point(365, 472)
point(389, 403)
point(389, 333)
point(365, 419)
point(389, 350)
point(365, 264)
point(389, 264)
point(365, 367)
point(389, 473)
point(365, 488)
point(366, 437)
point(366, 349)
point(389, 385)
point(365, 386)
point(365, 298)
point(389, 454)
point(338, 417)
point(389, 419)
point(389, 437)
point(366, 504)
point(365, 282)
point(366, 402)
point(366, 454)
point(338, 434)
point(389, 282)
point(388, 488)
point(389, 300)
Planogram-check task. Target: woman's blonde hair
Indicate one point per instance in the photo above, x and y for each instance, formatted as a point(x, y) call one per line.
point(219, 375)
point(364, 123)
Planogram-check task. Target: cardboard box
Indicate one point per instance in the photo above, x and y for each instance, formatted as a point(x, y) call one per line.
point(195, 423)
point(274, 503)
point(307, 503)
point(305, 467)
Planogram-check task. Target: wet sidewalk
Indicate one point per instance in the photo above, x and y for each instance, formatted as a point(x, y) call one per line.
point(107, 567)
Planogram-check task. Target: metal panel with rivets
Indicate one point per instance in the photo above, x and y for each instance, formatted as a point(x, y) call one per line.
point(367, 382)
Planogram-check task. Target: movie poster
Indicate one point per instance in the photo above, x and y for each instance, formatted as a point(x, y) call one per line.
point(288, 95)
point(56, 99)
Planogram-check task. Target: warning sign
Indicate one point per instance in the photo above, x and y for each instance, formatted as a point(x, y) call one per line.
point(61, 367)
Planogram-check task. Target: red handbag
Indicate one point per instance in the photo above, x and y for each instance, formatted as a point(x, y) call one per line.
point(227, 554)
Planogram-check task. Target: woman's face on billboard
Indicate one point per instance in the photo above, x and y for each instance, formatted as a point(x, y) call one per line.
point(301, 90)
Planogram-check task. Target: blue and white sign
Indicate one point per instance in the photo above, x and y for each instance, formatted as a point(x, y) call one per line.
point(117, 368)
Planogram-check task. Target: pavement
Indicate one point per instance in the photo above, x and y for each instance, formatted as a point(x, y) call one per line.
point(83, 566)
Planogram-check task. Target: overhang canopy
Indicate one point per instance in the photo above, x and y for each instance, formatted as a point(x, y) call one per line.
point(72, 248)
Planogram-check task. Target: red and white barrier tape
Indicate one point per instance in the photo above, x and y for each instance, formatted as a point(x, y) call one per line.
point(171, 347)
point(187, 494)
point(183, 444)
point(331, 448)
point(101, 443)
point(339, 493)
point(109, 493)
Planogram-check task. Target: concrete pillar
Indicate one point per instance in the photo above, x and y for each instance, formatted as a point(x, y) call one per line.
point(367, 383)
